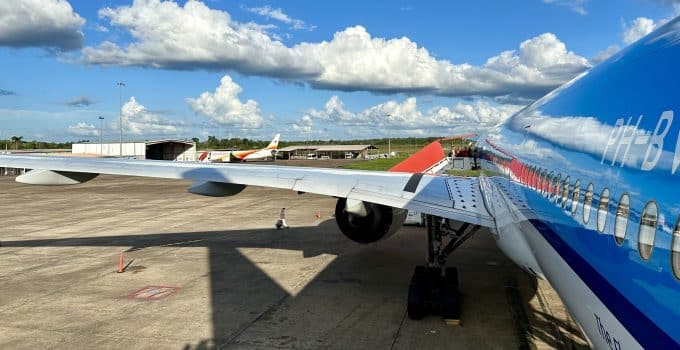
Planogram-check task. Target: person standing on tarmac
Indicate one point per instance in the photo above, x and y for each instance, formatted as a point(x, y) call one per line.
point(281, 222)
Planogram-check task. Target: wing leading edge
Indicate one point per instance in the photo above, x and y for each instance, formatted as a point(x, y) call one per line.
point(456, 198)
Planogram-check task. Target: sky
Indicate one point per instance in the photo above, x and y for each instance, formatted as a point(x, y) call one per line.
point(319, 70)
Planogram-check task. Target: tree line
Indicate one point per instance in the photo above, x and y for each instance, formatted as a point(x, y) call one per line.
point(212, 142)
point(18, 142)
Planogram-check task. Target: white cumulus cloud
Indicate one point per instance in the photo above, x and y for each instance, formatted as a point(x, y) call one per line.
point(224, 106)
point(574, 5)
point(279, 15)
point(83, 129)
point(606, 53)
point(637, 29)
point(408, 119)
point(193, 36)
point(304, 125)
point(137, 120)
point(167, 35)
point(40, 23)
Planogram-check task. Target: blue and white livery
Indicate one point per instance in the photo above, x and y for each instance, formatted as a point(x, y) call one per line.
point(583, 191)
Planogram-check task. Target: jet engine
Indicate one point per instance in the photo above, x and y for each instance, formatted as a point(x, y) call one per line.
point(365, 222)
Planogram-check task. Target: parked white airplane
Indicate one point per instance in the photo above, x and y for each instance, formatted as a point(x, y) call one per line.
point(583, 194)
point(253, 154)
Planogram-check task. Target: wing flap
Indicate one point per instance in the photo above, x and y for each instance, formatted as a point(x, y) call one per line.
point(456, 198)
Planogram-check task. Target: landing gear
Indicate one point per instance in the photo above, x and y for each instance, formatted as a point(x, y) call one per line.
point(434, 287)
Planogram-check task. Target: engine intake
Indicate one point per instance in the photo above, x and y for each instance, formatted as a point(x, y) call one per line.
point(379, 222)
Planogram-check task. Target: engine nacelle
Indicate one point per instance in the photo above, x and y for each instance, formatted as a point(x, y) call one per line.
point(373, 222)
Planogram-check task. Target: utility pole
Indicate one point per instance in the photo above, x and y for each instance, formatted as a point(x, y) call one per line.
point(101, 128)
point(389, 138)
point(120, 105)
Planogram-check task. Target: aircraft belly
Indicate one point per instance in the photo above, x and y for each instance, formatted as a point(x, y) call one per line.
point(517, 215)
point(598, 323)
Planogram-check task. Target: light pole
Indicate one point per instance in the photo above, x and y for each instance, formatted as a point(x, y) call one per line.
point(120, 105)
point(101, 128)
point(389, 139)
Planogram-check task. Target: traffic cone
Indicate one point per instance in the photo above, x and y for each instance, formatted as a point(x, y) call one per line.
point(318, 214)
point(120, 263)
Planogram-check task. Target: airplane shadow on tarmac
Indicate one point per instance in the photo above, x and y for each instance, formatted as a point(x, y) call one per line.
point(364, 285)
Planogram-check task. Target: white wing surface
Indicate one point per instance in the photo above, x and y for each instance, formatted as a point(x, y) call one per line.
point(456, 198)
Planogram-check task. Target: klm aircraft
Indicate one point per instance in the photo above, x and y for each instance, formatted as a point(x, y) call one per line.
point(582, 191)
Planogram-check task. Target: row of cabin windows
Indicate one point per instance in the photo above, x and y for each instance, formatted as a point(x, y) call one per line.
point(559, 190)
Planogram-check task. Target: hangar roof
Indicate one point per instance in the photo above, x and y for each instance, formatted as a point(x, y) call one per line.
point(297, 148)
point(155, 142)
point(348, 148)
point(147, 142)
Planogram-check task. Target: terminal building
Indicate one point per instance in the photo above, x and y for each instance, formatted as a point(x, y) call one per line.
point(179, 150)
point(326, 151)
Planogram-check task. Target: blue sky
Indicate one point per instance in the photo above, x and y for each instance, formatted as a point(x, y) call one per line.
point(306, 69)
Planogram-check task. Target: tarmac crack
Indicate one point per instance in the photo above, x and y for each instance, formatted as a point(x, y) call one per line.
point(398, 332)
point(267, 311)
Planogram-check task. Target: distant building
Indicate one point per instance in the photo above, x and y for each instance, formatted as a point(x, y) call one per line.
point(180, 150)
point(326, 151)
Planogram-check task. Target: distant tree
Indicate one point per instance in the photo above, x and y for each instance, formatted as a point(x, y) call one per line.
point(17, 141)
point(212, 142)
point(196, 140)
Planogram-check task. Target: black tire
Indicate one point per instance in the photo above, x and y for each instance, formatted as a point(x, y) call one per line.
point(450, 309)
point(416, 294)
point(449, 295)
point(451, 277)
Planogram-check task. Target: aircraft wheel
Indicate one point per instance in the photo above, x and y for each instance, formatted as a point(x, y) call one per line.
point(450, 297)
point(416, 294)
point(451, 277)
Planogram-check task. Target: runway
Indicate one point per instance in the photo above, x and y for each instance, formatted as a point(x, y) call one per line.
point(214, 273)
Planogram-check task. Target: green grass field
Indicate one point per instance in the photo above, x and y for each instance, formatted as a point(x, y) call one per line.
point(375, 164)
point(456, 172)
point(403, 149)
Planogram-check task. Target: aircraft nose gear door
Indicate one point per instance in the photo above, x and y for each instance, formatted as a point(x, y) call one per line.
point(434, 287)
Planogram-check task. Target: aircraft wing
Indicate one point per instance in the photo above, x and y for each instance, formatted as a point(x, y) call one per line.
point(457, 198)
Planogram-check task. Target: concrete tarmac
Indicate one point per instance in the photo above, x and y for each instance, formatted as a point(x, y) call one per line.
point(205, 273)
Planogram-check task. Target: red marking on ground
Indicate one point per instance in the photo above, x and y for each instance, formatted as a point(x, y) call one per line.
point(421, 160)
point(153, 293)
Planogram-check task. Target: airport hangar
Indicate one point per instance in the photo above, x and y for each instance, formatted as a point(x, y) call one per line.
point(170, 149)
point(326, 151)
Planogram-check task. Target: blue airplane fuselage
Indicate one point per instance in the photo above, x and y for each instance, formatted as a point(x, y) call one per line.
point(589, 196)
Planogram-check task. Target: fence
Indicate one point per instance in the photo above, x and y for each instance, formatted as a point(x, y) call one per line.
point(12, 171)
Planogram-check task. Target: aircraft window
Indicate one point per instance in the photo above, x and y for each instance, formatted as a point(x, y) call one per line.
point(565, 192)
point(576, 197)
point(675, 251)
point(602, 209)
point(587, 203)
point(648, 221)
point(544, 181)
point(558, 184)
point(548, 184)
point(536, 177)
point(621, 222)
